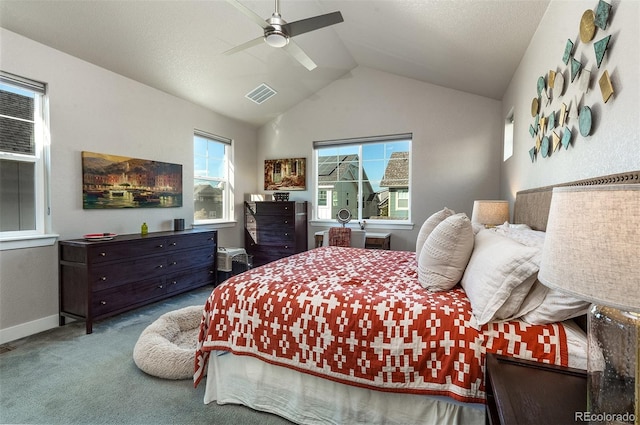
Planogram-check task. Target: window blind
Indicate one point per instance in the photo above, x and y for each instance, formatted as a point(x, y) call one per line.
point(25, 83)
point(361, 140)
point(210, 136)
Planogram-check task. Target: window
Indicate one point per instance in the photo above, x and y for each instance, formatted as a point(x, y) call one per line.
point(507, 148)
point(368, 176)
point(212, 181)
point(24, 153)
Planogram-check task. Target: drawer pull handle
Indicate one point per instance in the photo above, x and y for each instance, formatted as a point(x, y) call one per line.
point(173, 244)
point(159, 286)
point(286, 246)
point(161, 266)
point(210, 239)
point(103, 254)
point(161, 246)
point(103, 278)
point(174, 282)
point(173, 263)
point(210, 271)
point(103, 302)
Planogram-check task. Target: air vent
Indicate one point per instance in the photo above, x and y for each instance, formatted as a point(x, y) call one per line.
point(261, 93)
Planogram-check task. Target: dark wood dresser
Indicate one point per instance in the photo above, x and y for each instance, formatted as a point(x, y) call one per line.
point(274, 229)
point(103, 278)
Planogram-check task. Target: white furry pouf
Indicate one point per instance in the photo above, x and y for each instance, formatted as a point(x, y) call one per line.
point(166, 348)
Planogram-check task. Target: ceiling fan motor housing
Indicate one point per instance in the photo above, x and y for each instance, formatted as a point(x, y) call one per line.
point(275, 36)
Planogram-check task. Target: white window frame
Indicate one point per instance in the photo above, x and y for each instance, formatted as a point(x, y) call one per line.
point(402, 196)
point(227, 194)
point(507, 146)
point(370, 224)
point(41, 235)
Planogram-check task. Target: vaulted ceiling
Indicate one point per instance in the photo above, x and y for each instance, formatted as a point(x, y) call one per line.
point(176, 45)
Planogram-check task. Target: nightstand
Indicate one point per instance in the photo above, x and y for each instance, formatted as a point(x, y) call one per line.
point(528, 392)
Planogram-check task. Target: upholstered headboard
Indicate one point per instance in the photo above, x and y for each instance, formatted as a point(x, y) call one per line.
point(532, 205)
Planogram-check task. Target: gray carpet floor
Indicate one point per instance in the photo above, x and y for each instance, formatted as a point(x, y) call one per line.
point(63, 376)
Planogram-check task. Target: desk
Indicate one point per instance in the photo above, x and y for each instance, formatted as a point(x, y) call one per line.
point(373, 240)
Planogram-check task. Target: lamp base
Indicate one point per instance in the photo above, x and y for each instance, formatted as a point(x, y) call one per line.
point(613, 369)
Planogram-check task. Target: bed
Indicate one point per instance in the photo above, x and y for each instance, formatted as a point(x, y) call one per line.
point(350, 335)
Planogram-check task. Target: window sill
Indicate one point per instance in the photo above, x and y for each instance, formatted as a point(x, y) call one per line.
point(216, 225)
point(31, 241)
point(371, 224)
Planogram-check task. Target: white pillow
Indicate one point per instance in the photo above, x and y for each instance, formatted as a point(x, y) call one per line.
point(524, 235)
point(499, 276)
point(445, 253)
point(556, 307)
point(428, 226)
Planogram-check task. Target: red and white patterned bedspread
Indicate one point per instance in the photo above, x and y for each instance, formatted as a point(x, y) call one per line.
point(360, 317)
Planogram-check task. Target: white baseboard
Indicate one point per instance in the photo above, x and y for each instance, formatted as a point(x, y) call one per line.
point(29, 328)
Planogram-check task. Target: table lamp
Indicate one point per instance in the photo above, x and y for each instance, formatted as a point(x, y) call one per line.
point(592, 251)
point(490, 213)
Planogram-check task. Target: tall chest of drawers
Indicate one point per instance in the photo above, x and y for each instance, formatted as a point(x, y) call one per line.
point(103, 278)
point(274, 230)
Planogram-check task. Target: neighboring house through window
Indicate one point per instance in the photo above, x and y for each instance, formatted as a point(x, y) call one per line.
point(24, 158)
point(212, 178)
point(363, 175)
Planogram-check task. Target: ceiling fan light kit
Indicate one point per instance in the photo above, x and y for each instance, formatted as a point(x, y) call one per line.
point(278, 33)
point(276, 39)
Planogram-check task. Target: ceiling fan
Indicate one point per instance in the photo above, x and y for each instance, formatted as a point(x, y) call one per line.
point(278, 32)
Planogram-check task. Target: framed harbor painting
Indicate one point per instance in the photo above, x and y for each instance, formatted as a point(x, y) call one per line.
point(111, 181)
point(285, 174)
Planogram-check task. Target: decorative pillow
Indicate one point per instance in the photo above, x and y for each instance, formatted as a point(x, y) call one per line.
point(428, 226)
point(525, 235)
point(499, 276)
point(445, 253)
point(556, 307)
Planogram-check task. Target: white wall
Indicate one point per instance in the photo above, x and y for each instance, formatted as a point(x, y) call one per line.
point(95, 110)
point(614, 145)
point(456, 150)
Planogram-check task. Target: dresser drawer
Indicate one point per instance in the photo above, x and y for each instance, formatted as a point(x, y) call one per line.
point(185, 280)
point(123, 250)
point(178, 242)
point(263, 254)
point(124, 296)
point(190, 258)
point(271, 208)
point(109, 276)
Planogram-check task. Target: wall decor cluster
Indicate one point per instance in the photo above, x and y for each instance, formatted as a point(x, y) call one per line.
point(556, 113)
point(111, 181)
point(285, 174)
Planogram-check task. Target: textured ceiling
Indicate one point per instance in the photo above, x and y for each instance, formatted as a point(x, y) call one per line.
point(176, 45)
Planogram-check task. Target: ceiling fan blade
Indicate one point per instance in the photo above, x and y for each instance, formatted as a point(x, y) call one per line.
point(311, 24)
point(249, 13)
point(294, 50)
point(244, 46)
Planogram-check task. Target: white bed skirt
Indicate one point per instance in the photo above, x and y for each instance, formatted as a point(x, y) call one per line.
point(307, 399)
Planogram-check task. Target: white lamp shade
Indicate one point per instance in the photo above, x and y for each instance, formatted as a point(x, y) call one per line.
point(490, 212)
point(592, 244)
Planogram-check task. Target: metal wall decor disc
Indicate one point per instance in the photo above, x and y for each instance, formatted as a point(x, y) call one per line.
point(544, 148)
point(587, 26)
point(584, 121)
point(559, 84)
point(541, 86)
